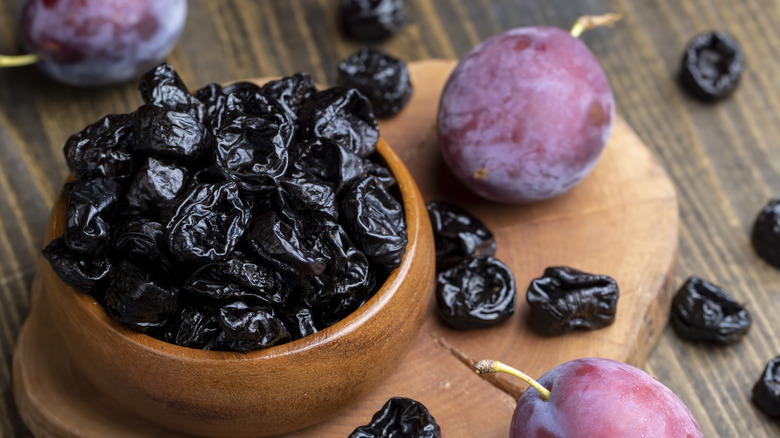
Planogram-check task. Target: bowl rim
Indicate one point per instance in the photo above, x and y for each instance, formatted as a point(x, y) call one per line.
point(409, 198)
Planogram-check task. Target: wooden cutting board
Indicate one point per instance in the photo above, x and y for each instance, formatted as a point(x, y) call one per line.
point(622, 221)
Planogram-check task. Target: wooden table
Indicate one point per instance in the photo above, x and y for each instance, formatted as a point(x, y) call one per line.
point(722, 158)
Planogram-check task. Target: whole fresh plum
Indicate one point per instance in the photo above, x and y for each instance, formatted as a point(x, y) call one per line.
point(594, 398)
point(98, 42)
point(525, 115)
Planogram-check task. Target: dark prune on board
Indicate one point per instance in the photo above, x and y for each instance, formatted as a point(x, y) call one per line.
point(712, 65)
point(476, 293)
point(702, 311)
point(766, 391)
point(342, 115)
point(765, 235)
point(565, 299)
point(377, 222)
point(458, 235)
point(400, 417)
point(249, 328)
point(83, 272)
point(102, 149)
point(90, 205)
point(157, 182)
point(372, 20)
point(169, 133)
point(382, 78)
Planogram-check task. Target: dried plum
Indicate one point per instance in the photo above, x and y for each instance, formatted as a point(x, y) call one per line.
point(249, 328)
point(102, 149)
point(90, 205)
point(291, 92)
point(766, 391)
point(343, 115)
point(702, 311)
point(281, 244)
point(196, 327)
point(765, 236)
point(330, 162)
point(476, 293)
point(372, 20)
point(169, 133)
point(162, 86)
point(382, 78)
point(80, 271)
point(712, 65)
point(565, 299)
point(237, 277)
point(400, 417)
point(458, 235)
point(157, 183)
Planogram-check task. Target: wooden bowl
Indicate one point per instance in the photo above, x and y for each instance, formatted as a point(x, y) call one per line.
point(265, 392)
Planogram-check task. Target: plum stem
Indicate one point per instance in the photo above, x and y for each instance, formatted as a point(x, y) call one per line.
point(18, 60)
point(490, 366)
point(587, 22)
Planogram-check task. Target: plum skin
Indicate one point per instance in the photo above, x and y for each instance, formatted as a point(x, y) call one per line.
point(525, 115)
point(595, 397)
point(98, 42)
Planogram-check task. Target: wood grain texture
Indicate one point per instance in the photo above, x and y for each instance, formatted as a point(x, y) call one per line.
point(724, 159)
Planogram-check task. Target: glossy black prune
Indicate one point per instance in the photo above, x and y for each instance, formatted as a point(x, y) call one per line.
point(458, 235)
point(766, 391)
point(162, 87)
point(141, 240)
point(83, 272)
point(157, 183)
point(565, 299)
point(400, 417)
point(765, 235)
point(702, 311)
point(250, 328)
point(382, 78)
point(372, 20)
point(196, 327)
point(477, 293)
point(281, 244)
point(291, 92)
point(331, 162)
point(343, 115)
point(169, 133)
point(90, 205)
point(101, 150)
point(238, 277)
point(712, 65)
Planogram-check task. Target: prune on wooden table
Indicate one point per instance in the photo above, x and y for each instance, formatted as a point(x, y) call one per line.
point(766, 391)
point(372, 20)
point(702, 311)
point(458, 235)
point(565, 299)
point(712, 65)
point(765, 235)
point(400, 417)
point(477, 293)
point(382, 78)
point(102, 148)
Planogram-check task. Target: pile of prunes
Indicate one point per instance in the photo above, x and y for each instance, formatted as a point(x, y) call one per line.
point(232, 218)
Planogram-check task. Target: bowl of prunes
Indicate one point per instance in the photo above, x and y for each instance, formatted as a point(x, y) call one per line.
point(238, 261)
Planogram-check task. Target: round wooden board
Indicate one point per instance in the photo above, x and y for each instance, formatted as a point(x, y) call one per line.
point(622, 221)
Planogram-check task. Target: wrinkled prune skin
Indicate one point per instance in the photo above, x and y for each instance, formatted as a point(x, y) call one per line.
point(281, 244)
point(565, 299)
point(766, 391)
point(304, 196)
point(101, 150)
point(83, 272)
point(236, 278)
point(250, 328)
point(136, 298)
point(291, 92)
point(141, 240)
point(377, 221)
point(477, 293)
point(157, 183)
point(702, 311)
point(342, 115)
point(712, 65)
point(372, 20)
point(331, 162)
point(300, 323)
point(162, 87)
point(90, 205)
point(765, 235)
point(207, 224)
point(196, 328)
point(400, 417)
point(458, 235)
point(382, 78)
point(169, 133)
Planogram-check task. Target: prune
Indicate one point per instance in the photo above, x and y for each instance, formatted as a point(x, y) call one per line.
point(157, 183)
point(765, 236)
point(712, 65)
point(213, 99)
point(249, 328)
point(140, 240)
point(281, 244)
point(169, 133)
point(207, 223)
point(381, 172)
point(458, 235)
point(300, 323)
point(702, 311)
point(343, 115)
point(400, 417)
point(82, 272)
point(372, 20)
point(514, 133)
point(377, 221)
point(101, 149)
point(476, 293)
point(196, 328)
point(329, 161)
point(766, 391)
point(90, 205)
point(136, 298)
point(382, 78)
point(252, 151)
point(291, 92)
point(565, 299)
point(162, 87)
point(305, 196)
point(236, 278)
